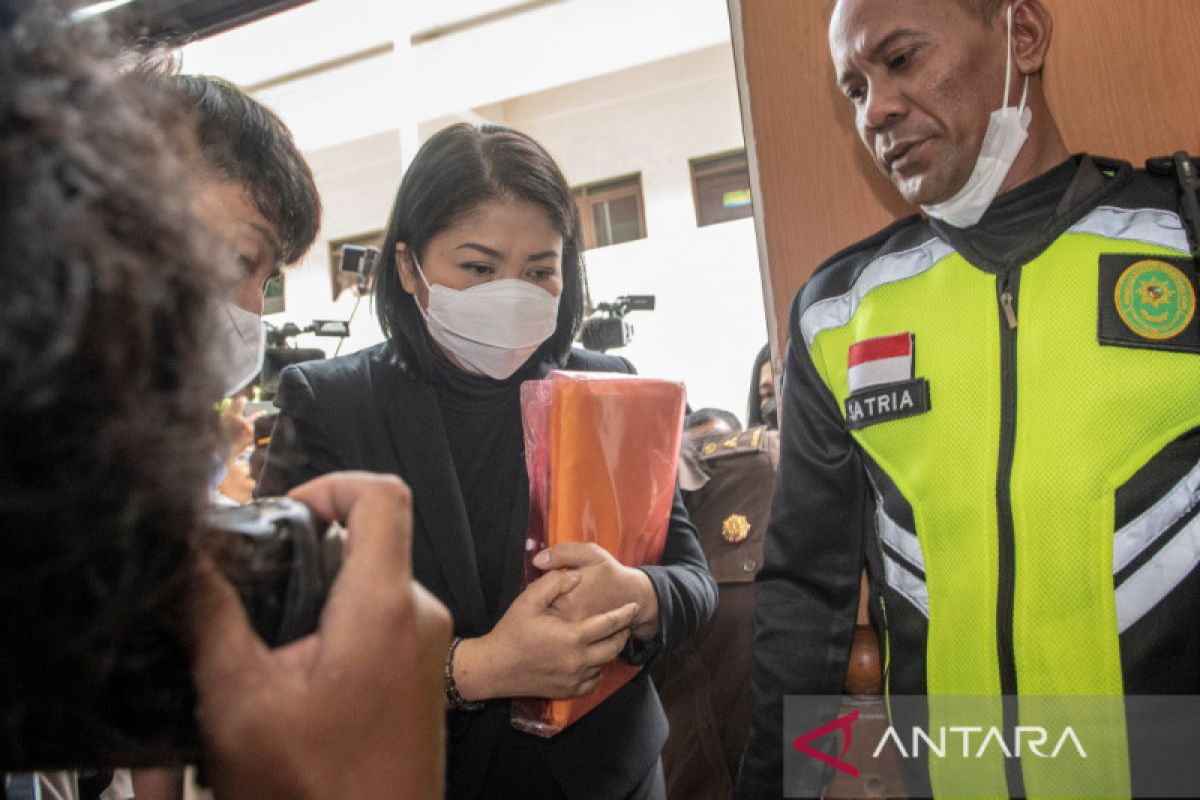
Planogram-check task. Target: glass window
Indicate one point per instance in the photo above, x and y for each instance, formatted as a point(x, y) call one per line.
point(721, 187)
point(611, 212)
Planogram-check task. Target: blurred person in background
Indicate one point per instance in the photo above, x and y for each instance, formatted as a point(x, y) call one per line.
point(727, 476)
point(709, 421)
point(761, 407)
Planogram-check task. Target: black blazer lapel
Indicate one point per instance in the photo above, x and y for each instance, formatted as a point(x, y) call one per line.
point(410, 412)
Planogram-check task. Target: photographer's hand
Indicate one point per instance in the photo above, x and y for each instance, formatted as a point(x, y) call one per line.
point(355, 710)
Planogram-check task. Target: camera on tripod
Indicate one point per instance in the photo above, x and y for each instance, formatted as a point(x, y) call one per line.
point(609, 329)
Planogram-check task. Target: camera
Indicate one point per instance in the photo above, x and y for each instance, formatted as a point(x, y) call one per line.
point(611, 330)
point(282, 561)
point(279, 557)
point(281, 352)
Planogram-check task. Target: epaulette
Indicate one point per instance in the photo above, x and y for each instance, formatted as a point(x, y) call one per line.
point(721, 446)
point(1186, 171)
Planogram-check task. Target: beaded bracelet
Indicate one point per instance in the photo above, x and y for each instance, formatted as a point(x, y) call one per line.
point(457, 701)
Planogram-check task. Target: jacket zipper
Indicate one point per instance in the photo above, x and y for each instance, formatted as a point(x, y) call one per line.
point(1006, 292)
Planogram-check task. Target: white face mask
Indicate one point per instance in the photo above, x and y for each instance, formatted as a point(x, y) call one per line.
point(243, 347)
point(493, 328)
point(1006, 133)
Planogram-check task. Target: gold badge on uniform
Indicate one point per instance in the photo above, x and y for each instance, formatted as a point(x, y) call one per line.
point(735, 528)
point(1155, 299)
point(1148, 302)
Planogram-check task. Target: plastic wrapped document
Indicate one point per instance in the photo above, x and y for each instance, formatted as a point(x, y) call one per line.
point(601, 450)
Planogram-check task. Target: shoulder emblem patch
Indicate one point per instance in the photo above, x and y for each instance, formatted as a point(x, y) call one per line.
point(1148, 302)
point(1155, 299)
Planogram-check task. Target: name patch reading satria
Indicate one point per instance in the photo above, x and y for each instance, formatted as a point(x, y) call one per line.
point(887, 402)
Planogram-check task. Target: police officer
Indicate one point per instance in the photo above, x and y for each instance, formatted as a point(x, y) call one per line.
point(726, 478)
point(993, 407)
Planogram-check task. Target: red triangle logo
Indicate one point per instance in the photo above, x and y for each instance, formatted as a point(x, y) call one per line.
point(843, 723)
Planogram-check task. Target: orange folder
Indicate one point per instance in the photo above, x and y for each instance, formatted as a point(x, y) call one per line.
point(602, 451)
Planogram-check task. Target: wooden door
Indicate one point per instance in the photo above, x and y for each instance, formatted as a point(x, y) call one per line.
point(1123, 79)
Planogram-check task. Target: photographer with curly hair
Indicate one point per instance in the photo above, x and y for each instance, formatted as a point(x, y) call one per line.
point(116, 620)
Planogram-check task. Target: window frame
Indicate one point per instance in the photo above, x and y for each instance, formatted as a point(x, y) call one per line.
point(728, 162)
point(588, 195)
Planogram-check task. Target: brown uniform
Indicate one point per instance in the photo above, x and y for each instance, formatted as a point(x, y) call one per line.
point(727, 483)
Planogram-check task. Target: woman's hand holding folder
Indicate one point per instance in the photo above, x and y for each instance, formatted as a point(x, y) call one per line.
point(534, 652)
point(604, 583)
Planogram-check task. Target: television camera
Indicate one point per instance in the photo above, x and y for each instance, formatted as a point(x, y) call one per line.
point(282, 351)
point(608, 329)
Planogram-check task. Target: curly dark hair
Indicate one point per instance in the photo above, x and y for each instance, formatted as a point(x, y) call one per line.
point(106, 294)
point(458, 169)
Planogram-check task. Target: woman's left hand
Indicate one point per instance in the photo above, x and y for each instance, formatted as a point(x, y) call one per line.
point(605, 583)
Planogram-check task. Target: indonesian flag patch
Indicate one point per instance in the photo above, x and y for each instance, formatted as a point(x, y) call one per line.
point(884, 359)
point(882, 386)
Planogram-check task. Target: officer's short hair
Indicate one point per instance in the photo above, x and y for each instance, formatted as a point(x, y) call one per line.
point(706, 415)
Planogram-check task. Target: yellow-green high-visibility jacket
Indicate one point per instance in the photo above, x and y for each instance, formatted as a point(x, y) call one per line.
point(1003, 424)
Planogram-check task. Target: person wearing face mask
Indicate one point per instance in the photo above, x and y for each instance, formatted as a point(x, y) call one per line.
point(761, 408)
point(483, 290)
point(991, 406)
point(254, 187)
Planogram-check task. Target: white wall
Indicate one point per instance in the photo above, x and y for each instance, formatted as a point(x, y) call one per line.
point(328, 68)
point(709, 323)
point(653, 86)
point(357, 182)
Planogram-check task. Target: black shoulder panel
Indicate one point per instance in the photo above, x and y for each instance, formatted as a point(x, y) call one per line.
point(589, 361)
point(840, 271)
point(1145, 190)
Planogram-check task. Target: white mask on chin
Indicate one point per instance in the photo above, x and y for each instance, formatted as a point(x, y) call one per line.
point(1006, 133)
point(243, 347)
point(493, 328)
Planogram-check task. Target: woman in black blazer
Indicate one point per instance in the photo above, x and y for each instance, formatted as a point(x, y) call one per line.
point(481, 288)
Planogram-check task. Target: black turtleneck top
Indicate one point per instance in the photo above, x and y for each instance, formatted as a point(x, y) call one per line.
point(482, 417)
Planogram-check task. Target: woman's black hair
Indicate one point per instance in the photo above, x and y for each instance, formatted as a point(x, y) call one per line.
point(243, 141)
point(458, 169)
point(754, 415)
